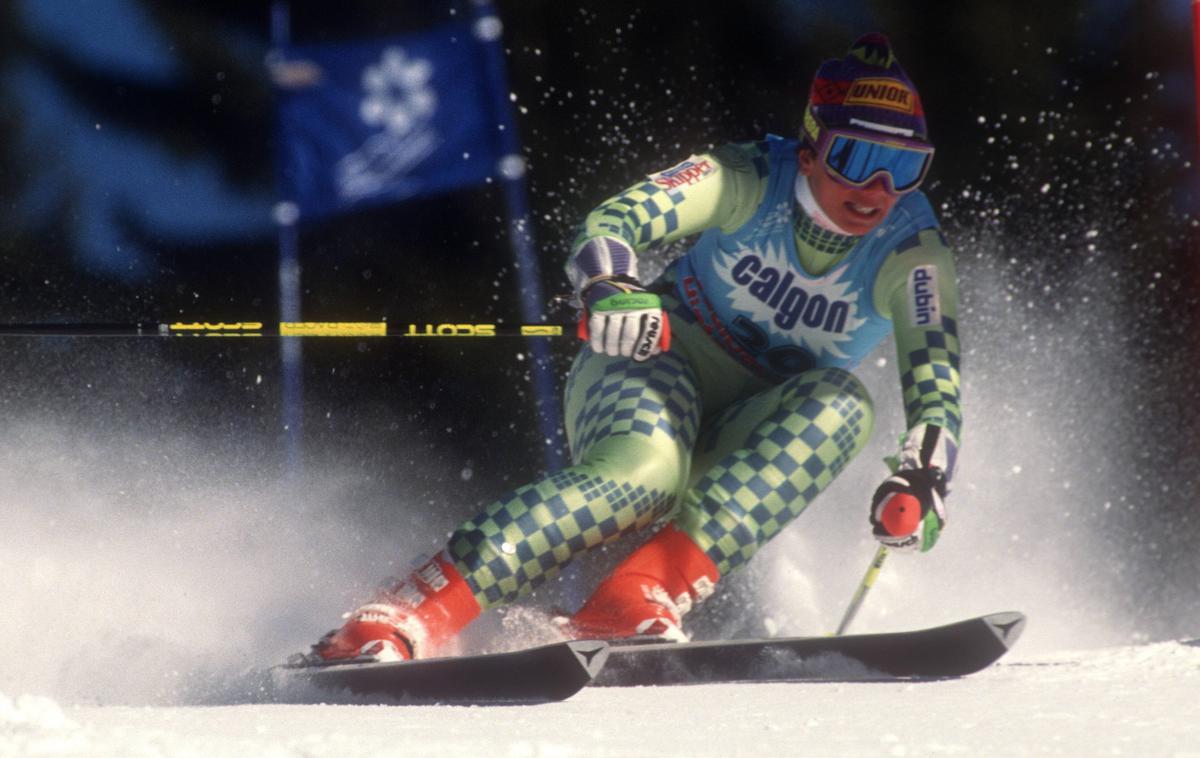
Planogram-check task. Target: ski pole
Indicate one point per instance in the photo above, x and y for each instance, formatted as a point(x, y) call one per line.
point(285, 329)
point(901, 515)
point(861, 593)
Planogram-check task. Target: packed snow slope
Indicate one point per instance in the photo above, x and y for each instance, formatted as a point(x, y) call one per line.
point(1135, 701)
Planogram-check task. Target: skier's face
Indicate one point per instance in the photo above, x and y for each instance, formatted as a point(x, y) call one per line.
point(857, 210)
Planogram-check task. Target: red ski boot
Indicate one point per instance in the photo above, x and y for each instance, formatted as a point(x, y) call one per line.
point(647, 594)
point(410, 620)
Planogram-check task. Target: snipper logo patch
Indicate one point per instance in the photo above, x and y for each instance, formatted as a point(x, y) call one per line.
point(687, 173)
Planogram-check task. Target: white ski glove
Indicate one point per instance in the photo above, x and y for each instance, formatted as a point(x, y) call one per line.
point(621, 318)
point(908, 511)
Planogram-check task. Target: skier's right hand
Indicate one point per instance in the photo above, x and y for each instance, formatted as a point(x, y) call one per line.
point(622, 318)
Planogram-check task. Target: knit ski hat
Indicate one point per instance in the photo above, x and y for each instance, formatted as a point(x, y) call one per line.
point(866, 91)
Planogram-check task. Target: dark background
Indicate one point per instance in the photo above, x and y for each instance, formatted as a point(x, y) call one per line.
point(1064, 176)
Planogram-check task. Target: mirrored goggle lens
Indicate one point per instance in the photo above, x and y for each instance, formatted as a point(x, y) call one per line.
point(857, 160)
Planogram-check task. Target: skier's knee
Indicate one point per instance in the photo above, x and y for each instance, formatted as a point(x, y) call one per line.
point(837, 402)
point(640, 463)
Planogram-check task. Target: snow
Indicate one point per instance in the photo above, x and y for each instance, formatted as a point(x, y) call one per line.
point(1132, 700)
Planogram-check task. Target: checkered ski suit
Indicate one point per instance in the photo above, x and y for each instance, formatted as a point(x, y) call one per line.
point(695, 436)
point(761, 451)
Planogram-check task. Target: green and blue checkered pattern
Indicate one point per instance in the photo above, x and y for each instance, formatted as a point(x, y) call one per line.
point(647, 213)
point(821, 240)
point(641, 214)
point(631, 427)
point(528, 537)
point(636, 430)
point(633, 398)
point(929, 380)
point(781, 454)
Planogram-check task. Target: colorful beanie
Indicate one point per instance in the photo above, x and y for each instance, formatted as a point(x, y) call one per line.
point(868, 91)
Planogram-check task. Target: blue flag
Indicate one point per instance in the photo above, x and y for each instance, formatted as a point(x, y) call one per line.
point(363, 123)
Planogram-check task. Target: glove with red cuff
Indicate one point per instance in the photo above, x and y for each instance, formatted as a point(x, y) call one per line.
point(622, 318)
point(908, 511)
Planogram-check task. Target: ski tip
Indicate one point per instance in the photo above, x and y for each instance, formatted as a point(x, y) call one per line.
point(591, 655)
point(1007, 626)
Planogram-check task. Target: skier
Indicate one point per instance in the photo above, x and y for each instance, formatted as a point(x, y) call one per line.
point(718, 400)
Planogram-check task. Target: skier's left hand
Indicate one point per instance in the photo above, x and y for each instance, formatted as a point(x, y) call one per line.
point(908, 511)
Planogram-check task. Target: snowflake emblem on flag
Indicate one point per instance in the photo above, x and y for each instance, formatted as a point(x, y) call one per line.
point(399, 103)
point(398, 94)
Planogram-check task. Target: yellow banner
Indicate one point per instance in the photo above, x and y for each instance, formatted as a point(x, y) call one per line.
point(451, 330)
point(540, 330)
point(333, 329)
point(235, 327)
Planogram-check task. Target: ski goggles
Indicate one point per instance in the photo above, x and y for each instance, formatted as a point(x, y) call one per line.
point(856, 160)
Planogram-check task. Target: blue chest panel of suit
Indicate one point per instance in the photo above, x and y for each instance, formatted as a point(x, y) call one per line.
point(750, 293)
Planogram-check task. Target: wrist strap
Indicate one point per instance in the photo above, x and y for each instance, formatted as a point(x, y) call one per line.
point(620, 281)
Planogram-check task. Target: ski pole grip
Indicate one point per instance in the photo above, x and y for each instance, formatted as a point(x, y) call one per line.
point(901, 514)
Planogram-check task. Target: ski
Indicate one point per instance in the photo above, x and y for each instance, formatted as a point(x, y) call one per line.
point(535, 675)
point(941, 652)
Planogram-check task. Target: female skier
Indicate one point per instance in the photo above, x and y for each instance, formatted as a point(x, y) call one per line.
point(718, 401)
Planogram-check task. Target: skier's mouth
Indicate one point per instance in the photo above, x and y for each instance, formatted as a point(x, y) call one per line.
point(864, 212)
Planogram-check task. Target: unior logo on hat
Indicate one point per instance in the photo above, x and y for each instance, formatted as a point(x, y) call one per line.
point(882, 93)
